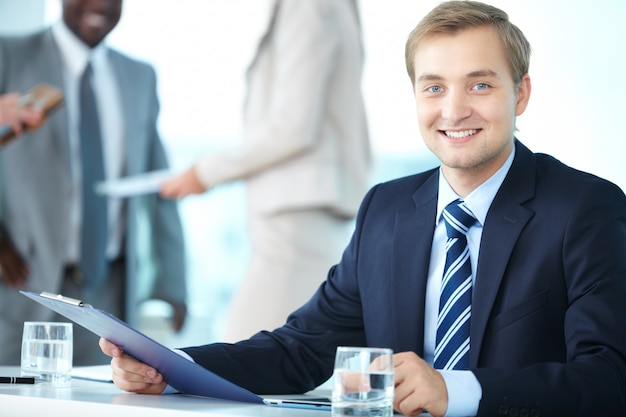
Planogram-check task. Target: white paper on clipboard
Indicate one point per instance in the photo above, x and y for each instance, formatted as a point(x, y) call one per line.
point(98, 373)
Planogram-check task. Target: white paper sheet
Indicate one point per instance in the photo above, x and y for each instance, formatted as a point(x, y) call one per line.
point(147, 183)
point(100, 373)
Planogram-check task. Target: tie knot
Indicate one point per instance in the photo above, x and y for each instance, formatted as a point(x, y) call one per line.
point(87, 75)
point(458, 219)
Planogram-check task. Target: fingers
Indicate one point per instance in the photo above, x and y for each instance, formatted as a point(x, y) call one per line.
point(14, 274)
point(404, 390)
point(9, 112)
point(134, 376)
point(131, 375)
point(9, 99)
point(32, 118)
point(183, 185)
point(355, 381)
point(18, 117)
point(172, 189)
point(9, 107)
point(14, 269)
point(109, 348)
point(419, 386)
point(381, 363)
point(180, 314)
point(175, 189)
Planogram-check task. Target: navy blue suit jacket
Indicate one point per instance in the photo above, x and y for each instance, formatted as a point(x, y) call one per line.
point(548, 325)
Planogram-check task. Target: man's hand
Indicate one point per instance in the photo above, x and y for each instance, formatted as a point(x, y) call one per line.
point(182, 185)
point(14, 269)
point(12, 114)
point(179, 313)
point(131, 375)
point(419, 387)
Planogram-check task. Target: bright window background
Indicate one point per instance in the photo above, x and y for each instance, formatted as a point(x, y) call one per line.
point(201, 48)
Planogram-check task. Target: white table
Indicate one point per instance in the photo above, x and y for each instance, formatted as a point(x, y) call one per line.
point(100, 399)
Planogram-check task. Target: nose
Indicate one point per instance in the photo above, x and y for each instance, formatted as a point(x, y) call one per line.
point(455, 106)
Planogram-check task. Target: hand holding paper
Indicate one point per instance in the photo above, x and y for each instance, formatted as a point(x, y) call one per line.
point(147, 183)
point(183, 185)
point(130, 374)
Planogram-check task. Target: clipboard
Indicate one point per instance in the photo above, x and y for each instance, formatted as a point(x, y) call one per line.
point(182, 374)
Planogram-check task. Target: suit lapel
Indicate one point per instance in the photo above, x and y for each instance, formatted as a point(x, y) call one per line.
point(413, 231)
point(505, 221)
point(50, 59)
point(129, 106)
point(265, 37)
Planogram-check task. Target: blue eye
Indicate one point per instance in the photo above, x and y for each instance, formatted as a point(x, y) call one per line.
point(481, 86)
point(434, 89)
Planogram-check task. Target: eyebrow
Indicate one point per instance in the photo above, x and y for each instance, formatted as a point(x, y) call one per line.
point(473, 74)
point(482, 73)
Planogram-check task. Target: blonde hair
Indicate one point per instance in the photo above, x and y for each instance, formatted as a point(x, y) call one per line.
point(453, 16)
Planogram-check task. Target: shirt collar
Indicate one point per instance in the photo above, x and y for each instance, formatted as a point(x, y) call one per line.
point(74, 52)
point(479, 200)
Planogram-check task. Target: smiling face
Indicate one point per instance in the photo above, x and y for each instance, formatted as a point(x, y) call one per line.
point(467, 102)
point(91, 20)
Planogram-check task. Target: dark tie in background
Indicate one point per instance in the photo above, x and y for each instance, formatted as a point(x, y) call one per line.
point(94, 207)
point(455, 304)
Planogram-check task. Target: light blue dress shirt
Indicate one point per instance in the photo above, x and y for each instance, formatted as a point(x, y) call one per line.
point(75, 56)
point(464, 390)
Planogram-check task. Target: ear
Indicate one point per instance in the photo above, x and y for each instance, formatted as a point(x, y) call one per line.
point(523, 95)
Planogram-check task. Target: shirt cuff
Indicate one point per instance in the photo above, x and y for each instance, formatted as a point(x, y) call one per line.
point(170, 389)
point(464, 393)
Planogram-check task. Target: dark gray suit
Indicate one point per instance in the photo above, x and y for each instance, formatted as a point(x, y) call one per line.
point(35, 183)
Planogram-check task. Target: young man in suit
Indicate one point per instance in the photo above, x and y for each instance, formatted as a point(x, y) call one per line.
point(544, 254)
point(48, 212)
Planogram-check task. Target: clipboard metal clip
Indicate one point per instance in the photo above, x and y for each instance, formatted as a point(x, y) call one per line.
point(64, 299)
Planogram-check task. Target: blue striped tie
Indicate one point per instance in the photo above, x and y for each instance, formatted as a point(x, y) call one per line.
point(455, 303)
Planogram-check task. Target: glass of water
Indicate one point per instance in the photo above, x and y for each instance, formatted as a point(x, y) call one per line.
point(47, 351)
point(363, 382)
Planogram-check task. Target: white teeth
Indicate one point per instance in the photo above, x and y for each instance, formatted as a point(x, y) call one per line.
point(95, 19)
point(461, 134)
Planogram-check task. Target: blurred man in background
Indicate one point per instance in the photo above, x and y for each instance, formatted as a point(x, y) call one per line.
point(56, 234)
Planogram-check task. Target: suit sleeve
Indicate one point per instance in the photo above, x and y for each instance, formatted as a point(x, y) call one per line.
point(303, 43)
